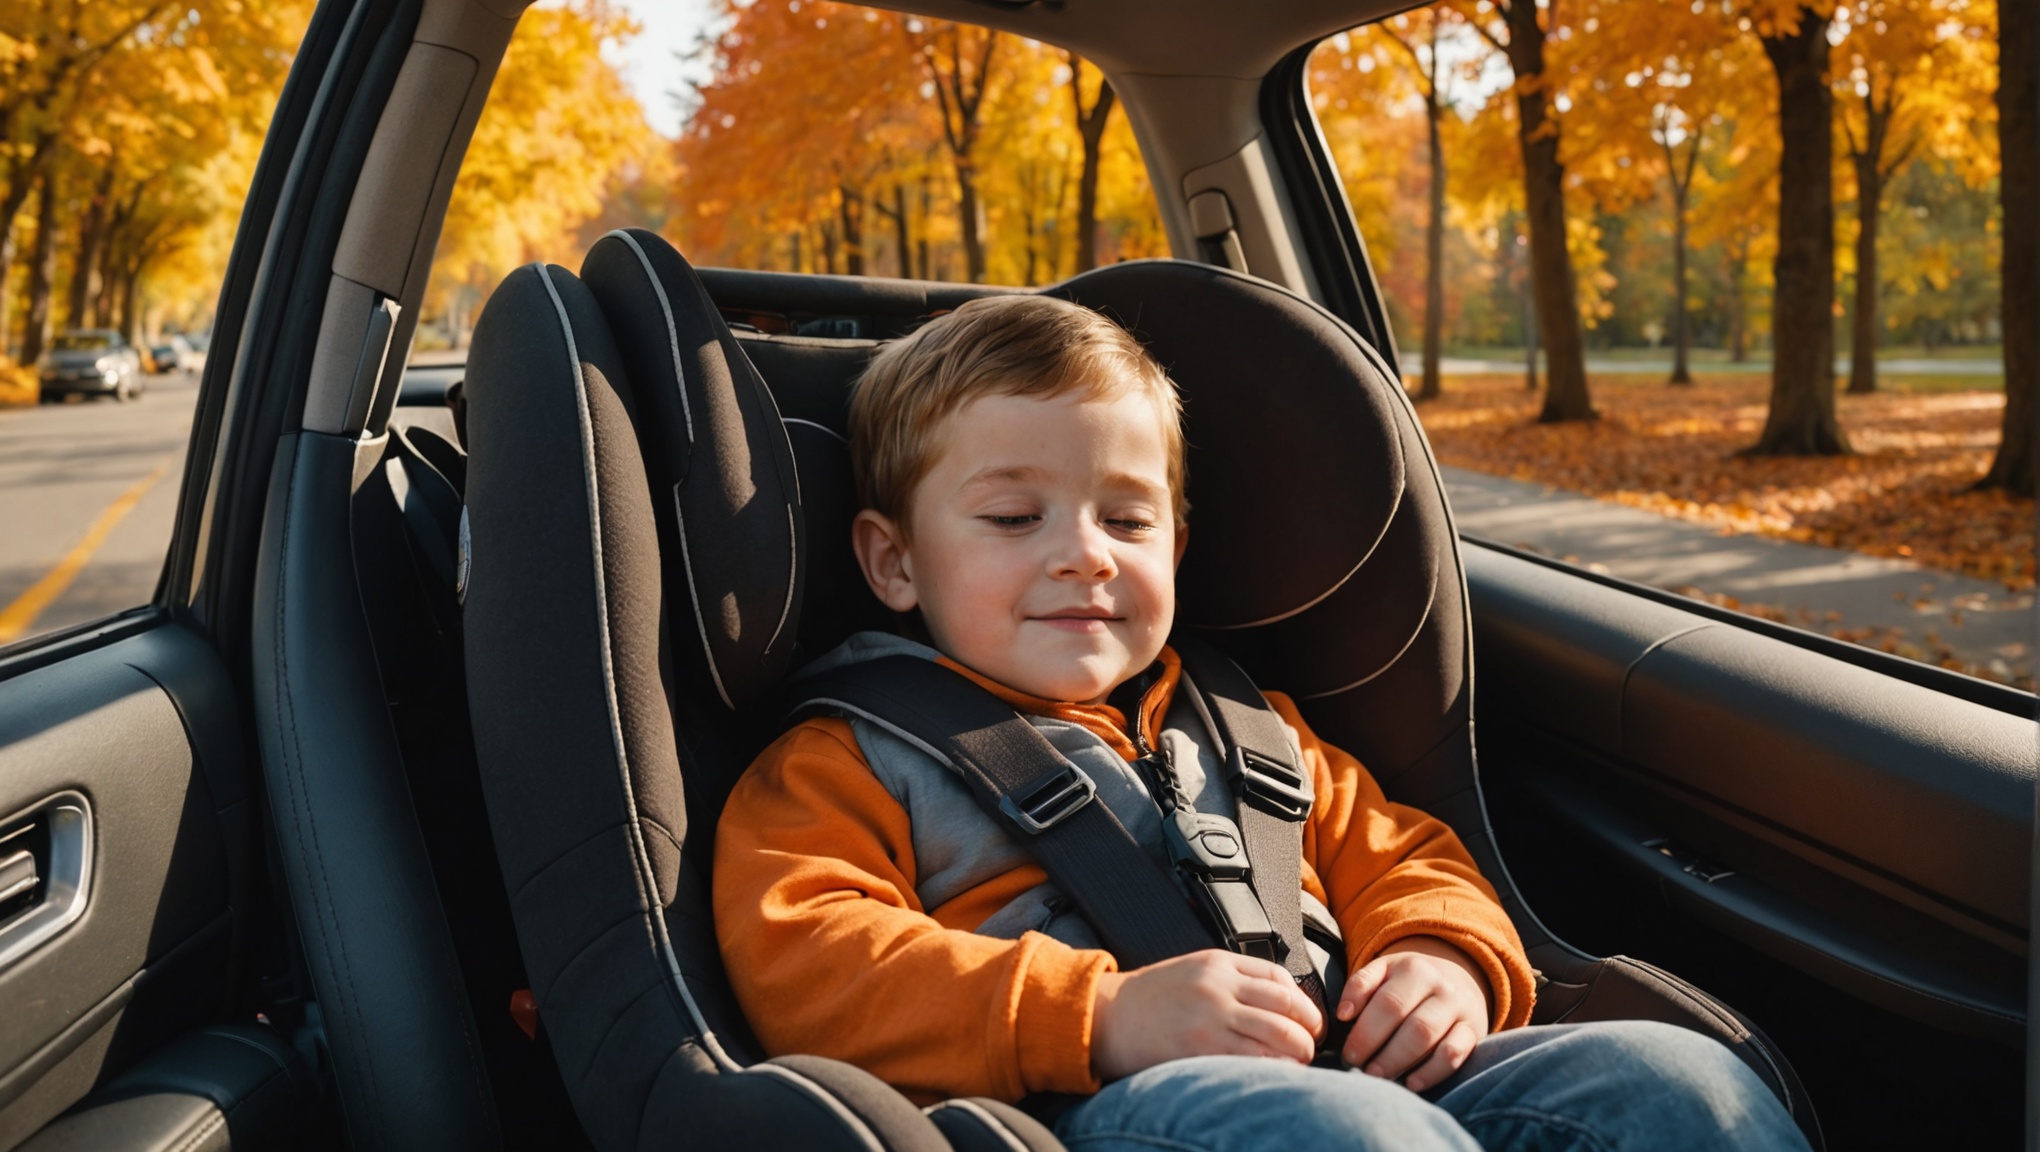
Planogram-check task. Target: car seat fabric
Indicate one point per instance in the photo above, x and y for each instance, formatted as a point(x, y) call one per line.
point(717, 457)
point(564, 615)
point(1321, 557)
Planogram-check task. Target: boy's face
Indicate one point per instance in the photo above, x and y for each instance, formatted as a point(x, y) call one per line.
point(1043, 543)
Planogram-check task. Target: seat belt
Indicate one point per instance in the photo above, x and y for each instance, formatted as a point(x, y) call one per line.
point(1021, 781)
point(1273, 790)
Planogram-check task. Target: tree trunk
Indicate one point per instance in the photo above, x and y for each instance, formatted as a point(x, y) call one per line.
point(903, 245)
point(1529, 332)
point(2018, 101)
point(1863, 325)
point(129, 320)
point(1557, 302)
point(1801, 421)
point(967, 211)
point(1434, 256)
point(923, 264)
point(851, 211)
point(17, 195)
point(1091, 130)
point(91, 232)
point(1682, 323)
point(1738, 305)
point(42, 275)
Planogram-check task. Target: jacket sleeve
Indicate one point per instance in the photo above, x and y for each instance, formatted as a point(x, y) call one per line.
point(830, 952)
point(1389, 872)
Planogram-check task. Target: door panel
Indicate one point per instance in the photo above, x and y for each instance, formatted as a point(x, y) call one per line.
point(1869, 831)
point(138, 736)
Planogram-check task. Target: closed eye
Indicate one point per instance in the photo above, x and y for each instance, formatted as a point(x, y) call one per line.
point(1134, 526)
point(1011, 521)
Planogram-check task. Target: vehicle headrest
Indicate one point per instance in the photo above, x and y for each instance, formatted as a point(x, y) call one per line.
point(1296, 465)
point(717, 458)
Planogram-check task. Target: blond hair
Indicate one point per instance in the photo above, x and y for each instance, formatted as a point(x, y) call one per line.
point(1022, 345)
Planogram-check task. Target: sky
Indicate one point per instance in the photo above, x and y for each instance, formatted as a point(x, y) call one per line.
point(670, 27)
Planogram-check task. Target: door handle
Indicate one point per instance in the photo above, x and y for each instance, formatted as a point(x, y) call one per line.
point(46, 855)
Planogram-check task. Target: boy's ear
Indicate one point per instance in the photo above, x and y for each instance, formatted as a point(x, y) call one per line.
point(882, 553)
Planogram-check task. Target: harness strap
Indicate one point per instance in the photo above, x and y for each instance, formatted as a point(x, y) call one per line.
point(1274, 792)
point(1020, 780)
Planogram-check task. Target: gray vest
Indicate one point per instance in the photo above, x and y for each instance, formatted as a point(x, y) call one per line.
point(958, 847)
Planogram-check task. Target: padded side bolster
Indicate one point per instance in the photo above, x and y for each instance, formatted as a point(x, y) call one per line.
point(405, 1054)
point(573, 735)
point(794, 1102)
point(975, 1124)
point(1624, 989)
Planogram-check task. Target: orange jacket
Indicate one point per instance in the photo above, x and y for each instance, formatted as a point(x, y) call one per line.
point(831, 953)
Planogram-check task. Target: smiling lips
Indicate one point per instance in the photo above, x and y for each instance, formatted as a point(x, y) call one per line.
point(1078, 619)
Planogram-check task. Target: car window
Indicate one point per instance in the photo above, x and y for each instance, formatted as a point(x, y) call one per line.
point(811, 137)
point(1620, 381)
point(114, 237)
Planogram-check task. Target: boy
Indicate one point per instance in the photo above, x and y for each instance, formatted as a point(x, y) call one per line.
point(1021, 467)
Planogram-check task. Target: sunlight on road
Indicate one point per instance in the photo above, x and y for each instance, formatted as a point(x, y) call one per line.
point(16, 618)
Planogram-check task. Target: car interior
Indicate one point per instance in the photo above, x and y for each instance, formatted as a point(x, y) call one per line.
point(389, 822)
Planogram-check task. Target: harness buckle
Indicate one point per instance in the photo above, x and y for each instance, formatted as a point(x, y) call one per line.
point(1272, 785)
point(1049, 800)
point(1211, 854)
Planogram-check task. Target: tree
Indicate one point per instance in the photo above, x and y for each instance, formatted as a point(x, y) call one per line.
point(2018, 107)
point(1910, 86)
point(561, 137)
point(1418, 35)
point(1091, 123)
point(1801, 419)
point(1520, 35)
point(1669, 84)
point(47, 52)
point(958, 62)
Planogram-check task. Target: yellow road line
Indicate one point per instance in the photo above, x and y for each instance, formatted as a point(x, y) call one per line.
point(16, 617)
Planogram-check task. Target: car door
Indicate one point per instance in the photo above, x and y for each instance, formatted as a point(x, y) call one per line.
point(1835, 840)
point(142, 955)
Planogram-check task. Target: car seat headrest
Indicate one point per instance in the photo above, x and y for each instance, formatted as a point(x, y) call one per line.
point(718, 461)
point(1296, 467)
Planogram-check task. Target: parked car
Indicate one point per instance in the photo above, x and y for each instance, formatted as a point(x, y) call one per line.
point(91, 362)
point(176, 354)
point(258, 892)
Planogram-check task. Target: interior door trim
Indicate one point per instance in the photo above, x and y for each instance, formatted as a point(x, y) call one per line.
point(68, 883)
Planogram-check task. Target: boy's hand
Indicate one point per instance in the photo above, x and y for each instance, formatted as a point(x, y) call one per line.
point(1209, 1003)
point(1418, 1009)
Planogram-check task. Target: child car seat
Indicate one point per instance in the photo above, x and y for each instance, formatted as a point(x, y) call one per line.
point(658, 539)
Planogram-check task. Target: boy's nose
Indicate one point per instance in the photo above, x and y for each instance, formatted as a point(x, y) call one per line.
point(1085, 553)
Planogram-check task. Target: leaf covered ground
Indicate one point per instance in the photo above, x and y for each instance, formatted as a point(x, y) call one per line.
point(1904, 493)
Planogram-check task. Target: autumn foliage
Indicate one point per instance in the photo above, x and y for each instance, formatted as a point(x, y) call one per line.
point(834, 138)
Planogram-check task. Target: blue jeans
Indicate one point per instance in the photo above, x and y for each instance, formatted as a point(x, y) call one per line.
point(1622, 1086)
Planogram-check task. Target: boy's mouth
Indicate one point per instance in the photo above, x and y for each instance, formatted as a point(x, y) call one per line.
point(1078, 619)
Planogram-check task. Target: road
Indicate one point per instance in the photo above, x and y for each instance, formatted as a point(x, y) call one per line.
point(88, 494)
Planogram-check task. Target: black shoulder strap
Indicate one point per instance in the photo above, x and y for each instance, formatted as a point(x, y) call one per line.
point(1020, 780)
point(1275, 793)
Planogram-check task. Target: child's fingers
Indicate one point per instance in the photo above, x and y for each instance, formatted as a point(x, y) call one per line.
point(1262, 1032)
point(1414, 1039)
point(1281, 995)
point(1446, 1058)
point(1359, 987)
point(1386, 1008)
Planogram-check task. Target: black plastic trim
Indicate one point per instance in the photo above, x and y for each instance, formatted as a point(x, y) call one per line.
point(1331, 237)
point(1998, 697)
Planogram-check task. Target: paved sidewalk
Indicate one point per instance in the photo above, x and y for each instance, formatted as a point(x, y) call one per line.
point(1923, 613)
point(1600, 366)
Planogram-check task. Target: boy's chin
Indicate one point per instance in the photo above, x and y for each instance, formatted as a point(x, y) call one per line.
point(1077, 677)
